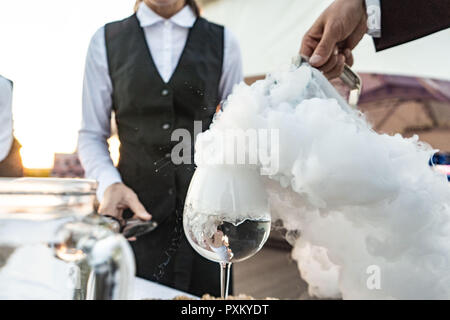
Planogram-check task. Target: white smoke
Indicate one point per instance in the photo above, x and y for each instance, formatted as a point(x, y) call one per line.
point(361, 201)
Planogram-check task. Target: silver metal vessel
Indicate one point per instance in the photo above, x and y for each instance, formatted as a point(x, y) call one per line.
point(54, 246)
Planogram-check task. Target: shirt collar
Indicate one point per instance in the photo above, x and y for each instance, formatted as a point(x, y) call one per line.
point(184, 18)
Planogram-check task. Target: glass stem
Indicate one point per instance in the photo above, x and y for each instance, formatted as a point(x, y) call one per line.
point(224, 279)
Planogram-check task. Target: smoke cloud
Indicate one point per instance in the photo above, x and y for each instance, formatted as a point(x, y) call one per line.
point(360, 201)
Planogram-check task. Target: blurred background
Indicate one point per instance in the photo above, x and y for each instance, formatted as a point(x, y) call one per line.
point(43, 47)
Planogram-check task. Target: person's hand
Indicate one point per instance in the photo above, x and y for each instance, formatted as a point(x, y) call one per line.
point(117, 198)
point(331, 39)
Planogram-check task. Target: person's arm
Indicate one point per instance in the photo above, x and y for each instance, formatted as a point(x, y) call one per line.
point(6, 123)
point(93, 149)
point(96, 118)
point(406, 20)
point(343, 24)
point(232, 73)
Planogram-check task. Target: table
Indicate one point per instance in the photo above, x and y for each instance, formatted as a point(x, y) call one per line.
point(144, 289)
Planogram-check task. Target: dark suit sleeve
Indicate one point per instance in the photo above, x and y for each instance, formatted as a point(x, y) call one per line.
point(406, 20)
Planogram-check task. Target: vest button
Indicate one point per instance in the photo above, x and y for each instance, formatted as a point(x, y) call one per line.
point(166, 126)
point(170, 191)
point(167, 155)
point(165, 92)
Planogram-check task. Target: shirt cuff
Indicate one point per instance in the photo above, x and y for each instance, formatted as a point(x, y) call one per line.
point(373, 18)
point(108, 178)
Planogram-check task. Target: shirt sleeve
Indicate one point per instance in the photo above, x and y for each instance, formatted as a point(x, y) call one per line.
point(6, 123)
point(373, 8)
point(232, 73)
point(95, 129)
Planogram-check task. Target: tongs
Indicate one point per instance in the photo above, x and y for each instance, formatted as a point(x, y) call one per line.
point(349, 77)
point(132, 228)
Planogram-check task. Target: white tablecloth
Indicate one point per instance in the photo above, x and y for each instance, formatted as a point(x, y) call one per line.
point(144, 289)
point(48, 278)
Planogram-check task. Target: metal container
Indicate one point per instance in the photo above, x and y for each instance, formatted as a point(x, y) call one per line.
point(351, 79)
point(54, 246)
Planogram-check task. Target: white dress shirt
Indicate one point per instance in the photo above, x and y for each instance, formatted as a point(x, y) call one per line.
point(6, 122)
point(166, 39)
point(373, 18)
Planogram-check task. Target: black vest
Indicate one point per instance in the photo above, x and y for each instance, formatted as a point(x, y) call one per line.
point(148, 109)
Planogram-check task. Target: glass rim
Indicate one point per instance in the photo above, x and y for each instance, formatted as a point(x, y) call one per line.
point(47, 186)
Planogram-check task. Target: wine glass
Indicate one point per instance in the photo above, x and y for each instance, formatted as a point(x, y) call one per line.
point(226, 215)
